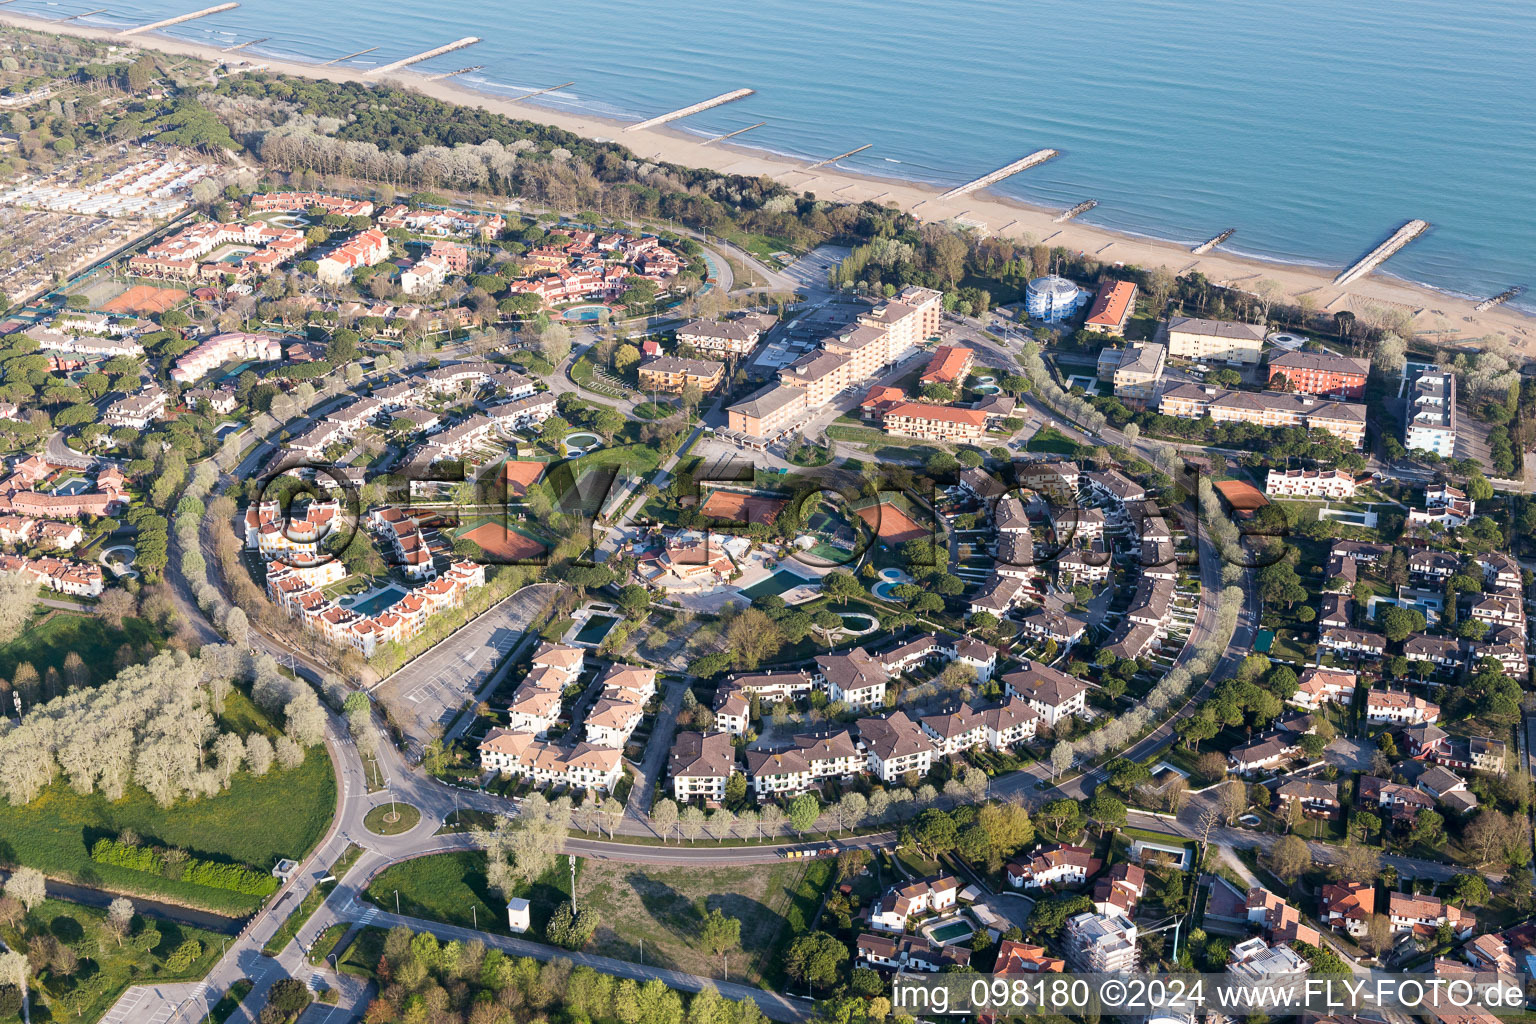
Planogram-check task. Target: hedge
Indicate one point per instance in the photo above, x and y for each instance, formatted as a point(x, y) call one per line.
point(211, 874)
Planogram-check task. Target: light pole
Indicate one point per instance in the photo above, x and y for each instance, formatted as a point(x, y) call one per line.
point(397, 902)
point(474, 916)
point(571, 858)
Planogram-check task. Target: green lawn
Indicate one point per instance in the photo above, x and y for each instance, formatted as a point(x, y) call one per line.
point(255, 822)
point(51, 636)
point(452, 888)
point(664, 906)
point(363, 952)
point(1049, 439)
point(105, 968)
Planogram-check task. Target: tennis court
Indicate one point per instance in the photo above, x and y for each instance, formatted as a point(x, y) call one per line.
point(892, 524)
point(143, 298)
point(735, 507)
point(504, 544)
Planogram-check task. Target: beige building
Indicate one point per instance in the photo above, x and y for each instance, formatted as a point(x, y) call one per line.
point(1134, 370)
point(673, 373)
point(881, 337)
point(1267, 409)
point(735, 337)
point(935, 422)
point(1190, 337)
point(769, 412)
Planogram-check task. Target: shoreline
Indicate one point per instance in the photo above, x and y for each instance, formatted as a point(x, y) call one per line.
point(1438, 317)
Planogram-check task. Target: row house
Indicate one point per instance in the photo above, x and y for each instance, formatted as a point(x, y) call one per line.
point(1089, 564)
point(1152, 603)
point(672, 374)
point(484, 226)
point(1428, 742)
point(1113, 484)
point(772, 687)
point(78, 579)
point(1354, 643)
point(1334, 484)
point(927, 422)
point(1395, 707)
point(364, 249)
point(520, 754)
point(228, 347)
point(519, 413)
point(609, 721)
point(805, 765)
point(300, 534)
point(733, 712)
point(1334, 611)
point(999, 595)
point(1048, 624)
point(1434, 565)
point(301, 202)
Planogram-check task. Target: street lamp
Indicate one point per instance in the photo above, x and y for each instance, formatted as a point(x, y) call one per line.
point(397, 902)
point(474, 916)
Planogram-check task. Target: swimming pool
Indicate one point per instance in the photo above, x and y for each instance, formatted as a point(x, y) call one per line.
point(595, 628)
point(584, 314)
point(582, 442)
point(951, 932)
point(369, 605)
point(781, 581)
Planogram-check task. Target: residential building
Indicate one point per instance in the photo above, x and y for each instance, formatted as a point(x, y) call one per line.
point(1345, 420)
point(1423, 915)
point(1320, 373)
point(1014, 957)
point(1353, 643)
point(1317, 686)
point(701, 765)
point(950, 365)
point(1256, 960)
point(1191, 337)
point(1058, 864)
point(1135, 371)
point(363, 249)
point(1100, 944)
point(1280, 920)
point(1317, 797)
point(1334, 484)
point(1431, 425)
point(1052, 693)
point(673, 373)
point(138, 410)
point(1348, 906)
point(1112, 308)
point(932, 895)
point(523, 755)
point(895, 745)
point(1399, 708)
point(1052, 298)
point(769, 412)
point(1262, 753)
point(1446, 505)
point(228, 347)
point(935, 422)
point(736, 337)
point(856, 678)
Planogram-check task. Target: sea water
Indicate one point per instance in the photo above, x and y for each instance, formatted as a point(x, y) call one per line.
point(1314, 127)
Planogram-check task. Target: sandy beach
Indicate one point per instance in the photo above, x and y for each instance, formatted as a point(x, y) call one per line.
point(1437, 316)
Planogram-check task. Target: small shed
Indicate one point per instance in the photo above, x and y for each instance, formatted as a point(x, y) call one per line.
point(518, 918)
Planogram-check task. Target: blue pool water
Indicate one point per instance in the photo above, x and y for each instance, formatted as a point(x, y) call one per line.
point(379, 600)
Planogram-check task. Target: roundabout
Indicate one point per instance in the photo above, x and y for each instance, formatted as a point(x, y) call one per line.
point(391, 819)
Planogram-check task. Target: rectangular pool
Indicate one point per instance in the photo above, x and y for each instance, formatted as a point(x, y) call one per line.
point(952, 931)
point(595, 628)
point(781, 581)
point(376, 602)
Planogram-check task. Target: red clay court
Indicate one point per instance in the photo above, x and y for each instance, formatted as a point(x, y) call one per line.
point(892, 524)
point(499, 542)
point(143, 298)
point(742, 508)
point(520, 475)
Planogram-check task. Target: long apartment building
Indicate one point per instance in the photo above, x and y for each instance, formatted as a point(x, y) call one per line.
point(935, 422)
point(674, 373)
point(1191, 337)
point(363, 249)
point(736, 337)
point(224, 348)
point(1320, 373)
point(1267, 409)
point(1431, 425)
point(878, 338)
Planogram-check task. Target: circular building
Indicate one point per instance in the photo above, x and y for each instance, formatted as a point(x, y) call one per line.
point(1052, 298)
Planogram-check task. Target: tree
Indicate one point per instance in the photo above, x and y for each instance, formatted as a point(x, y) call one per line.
point(1290, 857)
point(1232, 799)
point(18, 594)
point(1365, 825)
point(803, 812)
point(120, 917)
point(1107, 809)
point(28, 887)
point(1470, 890)
point(719, 933)
point(1063, 817)
point(664, 816)
point(815, 959)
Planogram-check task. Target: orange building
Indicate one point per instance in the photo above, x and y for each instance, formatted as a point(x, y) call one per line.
point(1112, 308)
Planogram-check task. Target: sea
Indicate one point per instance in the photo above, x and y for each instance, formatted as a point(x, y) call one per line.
point(1313, 127)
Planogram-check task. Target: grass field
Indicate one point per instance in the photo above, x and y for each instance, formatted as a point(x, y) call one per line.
point(50, 638)
point(1051, 440)
point(452, 888)
point(665, 906)
point(105, 967)
point(255, 822)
